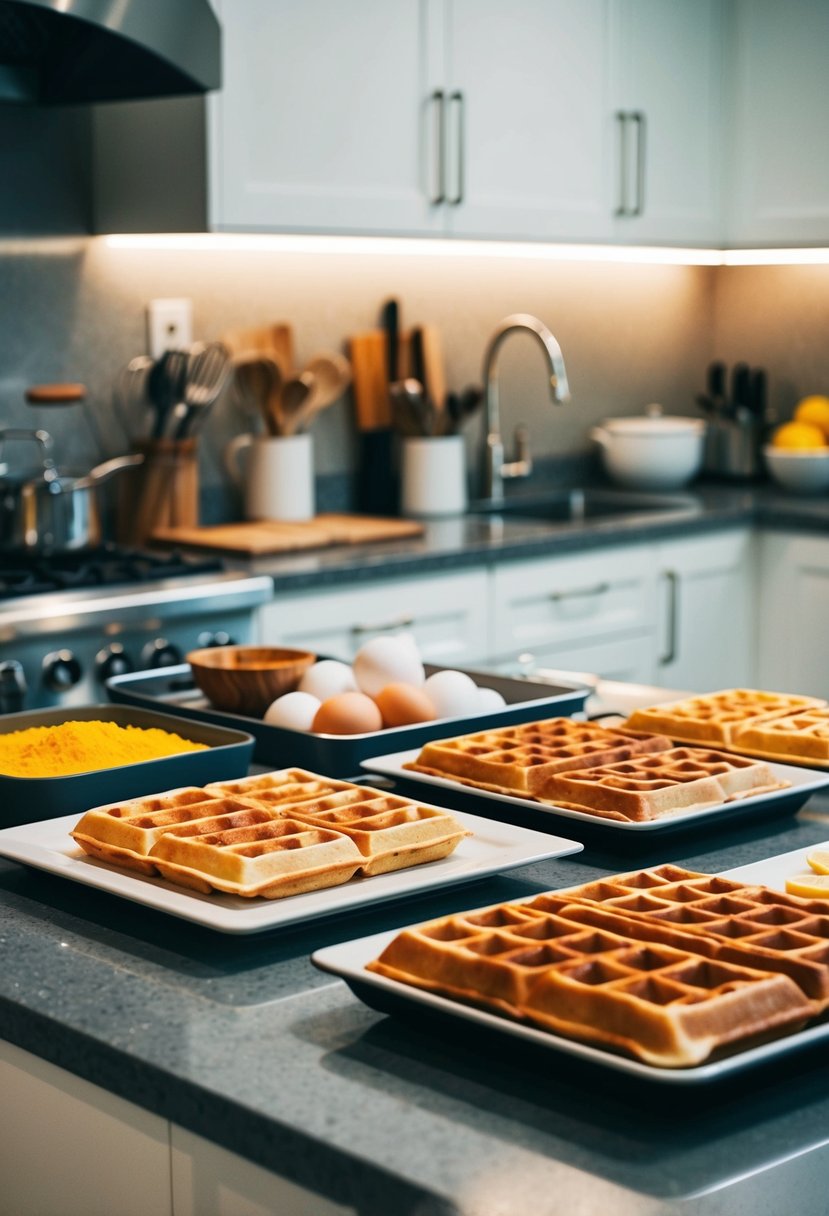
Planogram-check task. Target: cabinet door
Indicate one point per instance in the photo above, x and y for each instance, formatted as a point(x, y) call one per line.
point(629, 660)
point(707, 626)
point(793, 650)
point(324, 122)
point(562, 604)
point(526, 119)
point(780, 182)
point(666, 73)
point(447, 616)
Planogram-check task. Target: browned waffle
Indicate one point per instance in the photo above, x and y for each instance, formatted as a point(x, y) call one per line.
point(719, 719)
point(294, 831)
point(799, 736)
point(646, 787)
point(616, 963)
point(521, 760)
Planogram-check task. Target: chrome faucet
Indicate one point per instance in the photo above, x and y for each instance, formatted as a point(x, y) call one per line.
point(496, 469)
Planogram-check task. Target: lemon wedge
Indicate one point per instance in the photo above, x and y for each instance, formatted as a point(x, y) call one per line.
point(819, 861)
point(808, 886)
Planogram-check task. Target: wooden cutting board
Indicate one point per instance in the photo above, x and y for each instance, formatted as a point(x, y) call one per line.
point(263, 537)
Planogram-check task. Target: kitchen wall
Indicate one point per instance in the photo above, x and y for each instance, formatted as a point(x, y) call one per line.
point(74, 310)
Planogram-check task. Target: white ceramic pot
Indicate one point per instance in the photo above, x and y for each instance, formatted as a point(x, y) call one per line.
point(654, 452)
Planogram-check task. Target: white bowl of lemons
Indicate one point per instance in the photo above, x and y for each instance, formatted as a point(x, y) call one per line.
point(798, 456)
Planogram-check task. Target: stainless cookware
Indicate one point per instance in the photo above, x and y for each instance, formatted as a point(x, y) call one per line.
point(51, 510)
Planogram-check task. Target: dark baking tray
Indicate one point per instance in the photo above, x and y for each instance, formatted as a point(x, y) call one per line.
point(30, 799)
point(172, 689)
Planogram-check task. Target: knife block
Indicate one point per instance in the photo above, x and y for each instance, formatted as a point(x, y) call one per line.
point(163, 493)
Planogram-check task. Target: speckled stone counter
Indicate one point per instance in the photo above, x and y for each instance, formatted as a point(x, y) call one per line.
point(484, 539)
point(244, 1042)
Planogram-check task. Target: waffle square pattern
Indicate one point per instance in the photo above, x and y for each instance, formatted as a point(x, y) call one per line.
point(609, 773)
point(770, 725)
point(271, 835)
point(665, 965)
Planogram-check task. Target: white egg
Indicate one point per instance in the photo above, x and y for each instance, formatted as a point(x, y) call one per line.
point(489, 699)
point(327, 679)
point(390, 659)
point(453, 694)
point(294, 710)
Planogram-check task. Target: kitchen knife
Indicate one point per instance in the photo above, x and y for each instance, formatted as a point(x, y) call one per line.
point(740, 389)
point(716, 387)
point(390, 321)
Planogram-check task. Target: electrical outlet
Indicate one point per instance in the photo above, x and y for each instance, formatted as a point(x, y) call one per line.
point(169, 325)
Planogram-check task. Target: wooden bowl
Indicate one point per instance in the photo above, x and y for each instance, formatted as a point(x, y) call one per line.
point(246, 679)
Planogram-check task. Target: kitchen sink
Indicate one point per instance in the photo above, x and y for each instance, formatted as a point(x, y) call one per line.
point(587, 505)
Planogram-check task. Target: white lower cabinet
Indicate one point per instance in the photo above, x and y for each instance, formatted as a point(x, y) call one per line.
point(793, 650)
point(210, 1181)
point(69, 1148)
point(706, 612)
point(447, 614)
point(593, 612)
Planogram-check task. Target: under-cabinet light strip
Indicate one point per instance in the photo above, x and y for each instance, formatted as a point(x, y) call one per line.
point(428, 247)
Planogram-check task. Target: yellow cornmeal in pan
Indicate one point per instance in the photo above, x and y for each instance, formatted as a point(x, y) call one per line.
point(85, 747)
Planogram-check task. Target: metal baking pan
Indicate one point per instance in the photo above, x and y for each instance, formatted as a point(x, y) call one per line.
point(30, 799)
point(172, 689)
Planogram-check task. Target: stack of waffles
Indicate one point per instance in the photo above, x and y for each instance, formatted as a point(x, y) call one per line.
point(271, 835)
point(664, 965)
point(771, 725)
point(618, 774)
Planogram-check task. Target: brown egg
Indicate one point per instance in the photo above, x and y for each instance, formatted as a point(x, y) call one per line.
point(404, 704)
point(347, 713)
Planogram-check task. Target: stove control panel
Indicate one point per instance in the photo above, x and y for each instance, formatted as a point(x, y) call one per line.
point(61, 670)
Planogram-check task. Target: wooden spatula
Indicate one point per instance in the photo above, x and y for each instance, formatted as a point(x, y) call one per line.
point(370, 380)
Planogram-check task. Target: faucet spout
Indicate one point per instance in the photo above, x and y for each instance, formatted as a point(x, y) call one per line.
point(496, 469)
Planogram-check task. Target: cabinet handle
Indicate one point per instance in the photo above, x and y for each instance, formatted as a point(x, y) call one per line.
point(638, 119)
point(578, 592)
point(401, 622)
point(672, 579)
point(456, 99)
point(622, 126)
point(438, 102)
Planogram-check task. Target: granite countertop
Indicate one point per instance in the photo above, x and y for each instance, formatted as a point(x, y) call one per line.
point(481, 539)
point(244, 1042)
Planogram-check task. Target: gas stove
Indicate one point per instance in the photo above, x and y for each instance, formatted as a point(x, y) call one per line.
point(70, 621)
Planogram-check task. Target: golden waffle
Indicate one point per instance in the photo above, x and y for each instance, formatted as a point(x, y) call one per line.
point(646, 787)
point(800, 736)
point(521, 760)
point(212, 839)
point(616, 963)
point(273, 858)
point(718, 718)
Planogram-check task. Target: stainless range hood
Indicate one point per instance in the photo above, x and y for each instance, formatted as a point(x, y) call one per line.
point(67, 51)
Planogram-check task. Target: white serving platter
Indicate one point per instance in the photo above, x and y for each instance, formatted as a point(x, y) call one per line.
point(348, 961)
point(491, 849)
point(803, 782)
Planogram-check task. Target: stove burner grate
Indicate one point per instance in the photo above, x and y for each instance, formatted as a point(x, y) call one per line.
point(23, 573)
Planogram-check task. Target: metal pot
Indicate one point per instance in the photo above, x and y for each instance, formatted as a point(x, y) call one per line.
point(52, 511)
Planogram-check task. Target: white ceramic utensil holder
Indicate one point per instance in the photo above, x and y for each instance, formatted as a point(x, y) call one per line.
point(433, 476)
point(275, 474)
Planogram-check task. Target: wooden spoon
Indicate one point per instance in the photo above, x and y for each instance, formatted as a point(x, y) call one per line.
point(258, 383)
point(292, 400)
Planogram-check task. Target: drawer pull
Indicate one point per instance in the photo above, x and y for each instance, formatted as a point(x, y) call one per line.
point(401, 622)
point(579, 592)
point(672, 579)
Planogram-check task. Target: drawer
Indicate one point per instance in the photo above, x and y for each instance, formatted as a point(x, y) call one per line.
point(627, 659)
point(556, 602)
point(447, 615)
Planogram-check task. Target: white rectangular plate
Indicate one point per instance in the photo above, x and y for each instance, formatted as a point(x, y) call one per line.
point(349, 959)
point(803, 782)
point(492, 848)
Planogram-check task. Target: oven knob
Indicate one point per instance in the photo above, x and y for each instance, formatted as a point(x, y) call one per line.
point(220, 638)
point(61, 670)
point(160, 653)
point(113, 660)
point(12, 687)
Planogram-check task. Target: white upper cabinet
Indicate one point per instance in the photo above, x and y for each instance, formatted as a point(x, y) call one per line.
point(526, 131)
point(779, 184)
point(666, 97)
point(323, 120)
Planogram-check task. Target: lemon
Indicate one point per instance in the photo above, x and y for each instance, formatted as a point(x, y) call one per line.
point(799, 436)
point(814, 410)
point(809, 886)
point(819, 861)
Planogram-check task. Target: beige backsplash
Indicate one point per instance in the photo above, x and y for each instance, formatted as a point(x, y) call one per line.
point(630, 334)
